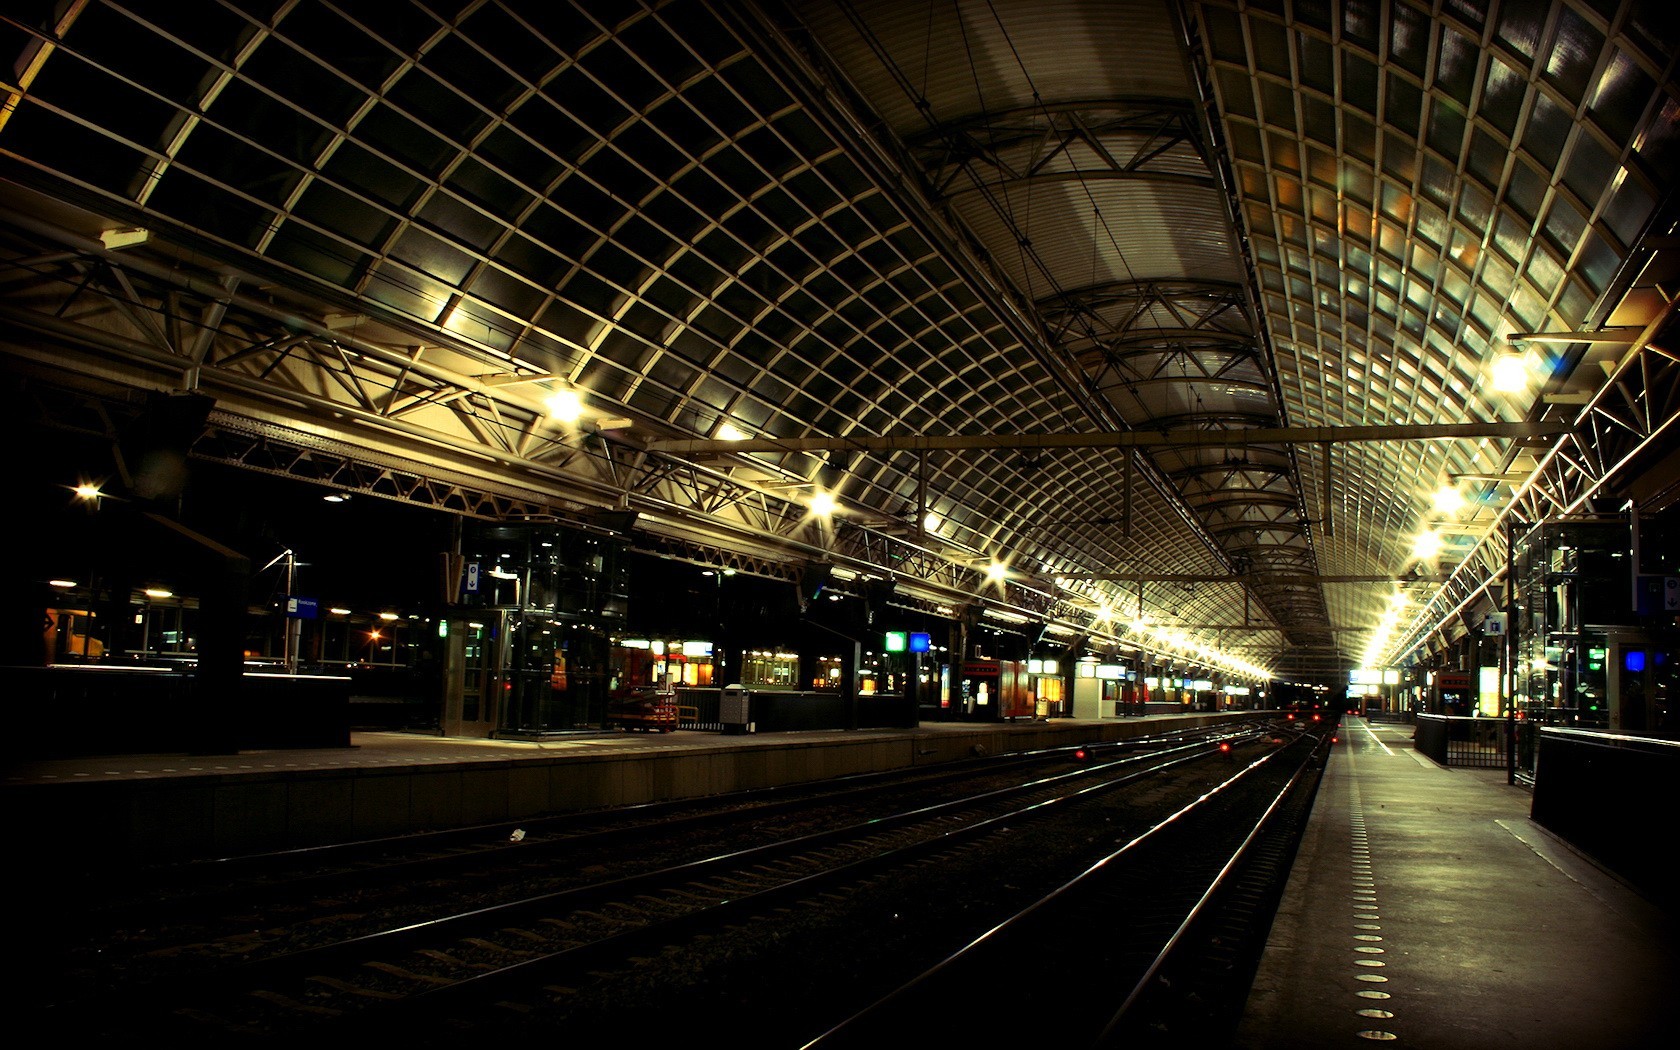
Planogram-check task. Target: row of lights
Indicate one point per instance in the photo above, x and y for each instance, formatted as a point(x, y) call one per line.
point(1509, 373)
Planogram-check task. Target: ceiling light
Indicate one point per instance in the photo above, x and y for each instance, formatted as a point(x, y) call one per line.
point(564, 405)
point(1510, 373)
point(1427, 545)
point(822, 504)
point(117, 239)
point(727, 431)
point(1448, 500)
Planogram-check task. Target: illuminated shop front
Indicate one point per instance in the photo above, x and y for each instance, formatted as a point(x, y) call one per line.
point(1048, 688)
point(662, 663)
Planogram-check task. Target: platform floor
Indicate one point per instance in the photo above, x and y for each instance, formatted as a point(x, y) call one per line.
point(384, 750)
point(1426, 909)
point(149, 809)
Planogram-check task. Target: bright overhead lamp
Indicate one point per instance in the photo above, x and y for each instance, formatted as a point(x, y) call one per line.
point(1448, 500)
point(1427, 544)
point(1510, 373)
point(115, 240)
point(823, 505)
point(564, 405)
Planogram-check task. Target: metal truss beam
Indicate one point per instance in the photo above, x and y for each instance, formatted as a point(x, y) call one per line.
point(1631, 415)
point(1278, 578)
point(296, 400)
point(1114, 138)
point(1519, 431)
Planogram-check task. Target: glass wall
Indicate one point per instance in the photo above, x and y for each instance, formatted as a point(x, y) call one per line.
point(553, 596)
point(1575, 585)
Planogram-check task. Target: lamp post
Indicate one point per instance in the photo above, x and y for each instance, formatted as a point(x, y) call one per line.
point(1508, 680)
point(292, 631)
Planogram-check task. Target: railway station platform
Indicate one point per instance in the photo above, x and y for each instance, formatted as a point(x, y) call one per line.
point(162, 808)
point(1426, 909)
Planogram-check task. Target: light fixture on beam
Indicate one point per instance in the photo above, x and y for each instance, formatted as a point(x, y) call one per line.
point(114, 240)
point(564, 404)
point(1510, 373)
point(1448, 500)
point(1427, 545)
point(823, 504)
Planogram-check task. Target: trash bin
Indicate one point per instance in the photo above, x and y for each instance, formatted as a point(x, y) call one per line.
point(735, 709)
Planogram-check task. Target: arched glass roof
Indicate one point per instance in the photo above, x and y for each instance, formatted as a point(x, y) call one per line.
point(1250, 236)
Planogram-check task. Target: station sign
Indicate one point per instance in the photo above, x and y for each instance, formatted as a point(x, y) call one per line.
point(302, 608)
point(900, 641)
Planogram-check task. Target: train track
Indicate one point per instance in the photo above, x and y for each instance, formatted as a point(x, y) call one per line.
point(538, 961)
point(1130, 959)
point(110, 917)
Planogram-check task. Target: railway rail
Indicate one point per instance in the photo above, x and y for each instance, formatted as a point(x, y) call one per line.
point(652, 902)
point(85, 911)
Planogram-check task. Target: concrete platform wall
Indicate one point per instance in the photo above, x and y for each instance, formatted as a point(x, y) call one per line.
point(161, 819)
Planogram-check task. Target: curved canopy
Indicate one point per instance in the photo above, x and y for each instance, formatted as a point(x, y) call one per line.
point(1252, 266)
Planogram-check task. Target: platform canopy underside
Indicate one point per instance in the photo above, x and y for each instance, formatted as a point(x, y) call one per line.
point(1212, 294)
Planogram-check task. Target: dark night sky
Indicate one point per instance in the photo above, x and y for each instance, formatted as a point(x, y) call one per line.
point(367, 551)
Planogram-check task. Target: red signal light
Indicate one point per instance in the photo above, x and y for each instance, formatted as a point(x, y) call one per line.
point(1315, 717)
point(1224, 745)
point(1081, 754)
point(1291, 716)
